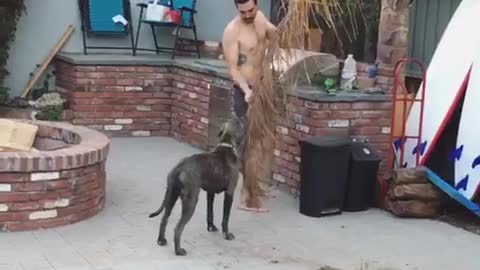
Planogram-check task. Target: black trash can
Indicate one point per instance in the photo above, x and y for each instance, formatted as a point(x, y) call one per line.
point(362, 178)
point(323, 174)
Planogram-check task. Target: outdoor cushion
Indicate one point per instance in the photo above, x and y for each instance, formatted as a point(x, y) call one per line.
point(101, 14)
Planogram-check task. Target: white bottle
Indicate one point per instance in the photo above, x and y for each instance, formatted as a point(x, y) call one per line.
point(349, 72)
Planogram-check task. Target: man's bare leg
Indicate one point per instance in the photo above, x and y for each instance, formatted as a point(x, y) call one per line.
point(247, 201)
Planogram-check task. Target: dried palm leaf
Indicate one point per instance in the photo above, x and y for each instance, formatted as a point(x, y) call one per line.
point(269, 103)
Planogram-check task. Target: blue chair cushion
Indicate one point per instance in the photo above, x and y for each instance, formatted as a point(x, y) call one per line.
point(186, 16)
point(101, 14)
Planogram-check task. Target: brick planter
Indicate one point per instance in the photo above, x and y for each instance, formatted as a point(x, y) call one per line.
point(140, 99)
point(118, 100)
point(190, 106)
point(306, 117)
point(62, 183)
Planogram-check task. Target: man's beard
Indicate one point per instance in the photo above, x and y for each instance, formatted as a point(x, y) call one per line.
point(249, 20)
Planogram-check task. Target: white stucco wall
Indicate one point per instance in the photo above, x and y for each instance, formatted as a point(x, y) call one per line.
point(46, 20)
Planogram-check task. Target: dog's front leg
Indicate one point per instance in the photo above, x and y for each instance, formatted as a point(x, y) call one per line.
point(227, 206)
point(210, 226)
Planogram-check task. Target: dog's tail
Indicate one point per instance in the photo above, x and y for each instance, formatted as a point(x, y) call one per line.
point(167, 198)
point(159, 210)
point(168, 194)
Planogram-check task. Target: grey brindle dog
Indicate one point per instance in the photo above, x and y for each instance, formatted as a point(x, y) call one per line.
point(215, 172)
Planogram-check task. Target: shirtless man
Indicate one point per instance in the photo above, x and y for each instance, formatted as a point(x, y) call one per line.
point(244, 48)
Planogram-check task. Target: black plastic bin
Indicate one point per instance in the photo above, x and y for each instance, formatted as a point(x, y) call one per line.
point(362, 178)
point(323, 174)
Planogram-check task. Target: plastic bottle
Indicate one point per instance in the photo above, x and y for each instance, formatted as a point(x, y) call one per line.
point(349, 72)
point(373, 71)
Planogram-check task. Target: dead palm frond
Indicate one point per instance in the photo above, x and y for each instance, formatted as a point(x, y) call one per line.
point(271, 93)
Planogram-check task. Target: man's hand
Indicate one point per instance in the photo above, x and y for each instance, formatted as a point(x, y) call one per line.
point(248, 95)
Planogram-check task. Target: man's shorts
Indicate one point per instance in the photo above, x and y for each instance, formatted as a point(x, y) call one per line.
point(240, 106)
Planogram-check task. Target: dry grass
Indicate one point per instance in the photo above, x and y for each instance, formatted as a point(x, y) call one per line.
point(270, 100)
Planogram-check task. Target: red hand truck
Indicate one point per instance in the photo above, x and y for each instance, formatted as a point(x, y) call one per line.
point(395, 135)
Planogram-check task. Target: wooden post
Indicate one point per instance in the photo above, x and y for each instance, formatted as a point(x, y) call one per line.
point(47, 60)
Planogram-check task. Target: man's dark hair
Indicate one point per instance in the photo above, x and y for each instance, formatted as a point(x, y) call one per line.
point(243, 2)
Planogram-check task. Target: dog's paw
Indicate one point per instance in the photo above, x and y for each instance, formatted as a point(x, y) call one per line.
point(228, 236)
point(180, 252)
point(212, 228)
point(162, 242)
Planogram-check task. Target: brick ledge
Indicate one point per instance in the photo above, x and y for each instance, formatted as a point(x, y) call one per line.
point(215, 68)
point(206, 66)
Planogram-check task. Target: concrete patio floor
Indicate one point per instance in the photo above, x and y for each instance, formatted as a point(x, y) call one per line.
point(122, 237)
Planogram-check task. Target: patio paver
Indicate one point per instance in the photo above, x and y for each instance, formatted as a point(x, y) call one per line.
point(122, 237)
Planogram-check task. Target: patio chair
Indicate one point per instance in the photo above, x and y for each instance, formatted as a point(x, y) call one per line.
point(97, 17)
point(187, 11)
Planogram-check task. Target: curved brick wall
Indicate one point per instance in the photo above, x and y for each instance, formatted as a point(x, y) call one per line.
point(188, 101)
point(61, 184)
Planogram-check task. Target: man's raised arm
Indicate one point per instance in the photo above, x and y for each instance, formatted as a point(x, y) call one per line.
point(231, 52)
point(272, 30)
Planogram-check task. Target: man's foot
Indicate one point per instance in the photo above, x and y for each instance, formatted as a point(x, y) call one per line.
point(269, 193)
point(253, 209)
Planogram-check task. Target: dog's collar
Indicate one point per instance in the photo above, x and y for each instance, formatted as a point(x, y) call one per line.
point(229, 146)
point(225, 145)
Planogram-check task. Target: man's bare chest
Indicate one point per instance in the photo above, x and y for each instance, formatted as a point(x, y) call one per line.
point(250, 39)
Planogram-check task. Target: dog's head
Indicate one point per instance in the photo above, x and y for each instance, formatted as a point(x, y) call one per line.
point(232, 131)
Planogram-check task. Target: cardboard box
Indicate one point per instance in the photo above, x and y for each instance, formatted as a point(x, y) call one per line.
point(365, 82)
point(16, 135)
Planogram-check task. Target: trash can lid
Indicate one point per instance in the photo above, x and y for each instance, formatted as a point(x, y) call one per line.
point(328, 140)
point(362, 151)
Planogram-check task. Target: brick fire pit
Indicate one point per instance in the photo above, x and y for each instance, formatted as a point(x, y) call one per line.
point(61, 183)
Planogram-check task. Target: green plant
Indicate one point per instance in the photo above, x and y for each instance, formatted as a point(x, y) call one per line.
point(51, 113)
point(10, 13)
point(4, 94)
point(44, 88)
